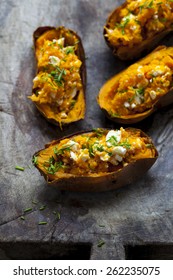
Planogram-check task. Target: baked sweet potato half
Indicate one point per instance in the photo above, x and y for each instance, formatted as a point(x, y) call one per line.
point(138, 91)
point(59, 85)
point(138, 26)
point(98, 160)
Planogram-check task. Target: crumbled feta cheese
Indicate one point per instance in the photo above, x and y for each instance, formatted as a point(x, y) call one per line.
point(153, 94)
point(126, 104)
point(119, 150)
point(138, 99)
point(139, 68)
point(36, 79)
point(74, 146)
point(63, 115)
point(104, 156)
point(114, 133)
point(133, 105)
point(84, 155)
point(118, 158)
point(61, 41)
point(133, 27)
point(74, 92)
point(156, 73)
point(54, 60)
point(73, 156)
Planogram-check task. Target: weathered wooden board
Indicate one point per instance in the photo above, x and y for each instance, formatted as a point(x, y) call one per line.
point(141, 213)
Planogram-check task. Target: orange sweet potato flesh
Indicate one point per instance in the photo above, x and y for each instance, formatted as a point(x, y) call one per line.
point(51, 111)
point(141, 89)
point(138, 26)
point(140, 156)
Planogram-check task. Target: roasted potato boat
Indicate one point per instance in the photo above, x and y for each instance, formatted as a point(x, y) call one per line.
point(138, 91)
point(97, 160)
point(138, 26)
point(59, 86)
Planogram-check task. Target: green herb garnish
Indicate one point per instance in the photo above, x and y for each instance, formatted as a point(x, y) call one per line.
point(58, 74)
point(100, 243)
point(69, 50)
point(122, 26)
point(42, 207)
point(140, 91)
point(42, 223)
point(99, 132)
point(17, 167)
point(27, 210)
point(22, 218)
point(54, 167)
point(35, 160)
point(90, 149)
point(149, 145)
point(62, 150)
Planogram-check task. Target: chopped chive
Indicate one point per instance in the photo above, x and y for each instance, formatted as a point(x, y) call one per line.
point(35, 160)
point(34, 202)
point(101, 225)
point(17, 167)
point(100, 243)
point(22, 218)
point(149, 145)
point(42, 207)
point(57, 214)
point(27, 210)
point(42, 223)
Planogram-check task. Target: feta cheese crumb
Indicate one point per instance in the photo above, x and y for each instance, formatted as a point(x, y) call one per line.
point(119, 150)
point(54, 60)
point(63, 115)
point(153, 94)
point(113, 133)
point(74, 146)
point(84, 155)
point(73, 156)
point(74, 92)
point(126, 104)
point(104, 156)
point(133, 105)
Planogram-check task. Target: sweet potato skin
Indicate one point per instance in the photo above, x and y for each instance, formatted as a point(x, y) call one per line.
point(163, 101)
point(101, 182)
point(61, 30)
point(126, 53)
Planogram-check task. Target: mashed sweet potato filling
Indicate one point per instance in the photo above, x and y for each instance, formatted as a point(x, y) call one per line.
point(100, 151)
point(58, 83)
point(136, 89)
point(138, 20)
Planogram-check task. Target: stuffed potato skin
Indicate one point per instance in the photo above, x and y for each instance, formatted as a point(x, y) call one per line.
point(138, 26)
point(59, 85)
point(95, 161)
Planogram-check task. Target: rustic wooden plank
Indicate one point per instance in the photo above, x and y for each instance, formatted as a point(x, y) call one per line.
point(137, 214)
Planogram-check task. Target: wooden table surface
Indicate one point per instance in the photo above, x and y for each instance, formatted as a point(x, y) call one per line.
point(138, 214)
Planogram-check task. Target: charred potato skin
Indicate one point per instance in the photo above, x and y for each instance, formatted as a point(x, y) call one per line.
point(126, 53)
point(105, 182)
point(162, 102)
point(80, 53)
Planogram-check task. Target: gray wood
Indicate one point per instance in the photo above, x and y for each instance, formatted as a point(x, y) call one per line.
point(141, 213)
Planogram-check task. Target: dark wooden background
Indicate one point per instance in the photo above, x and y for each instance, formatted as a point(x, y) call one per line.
point(138, 214)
